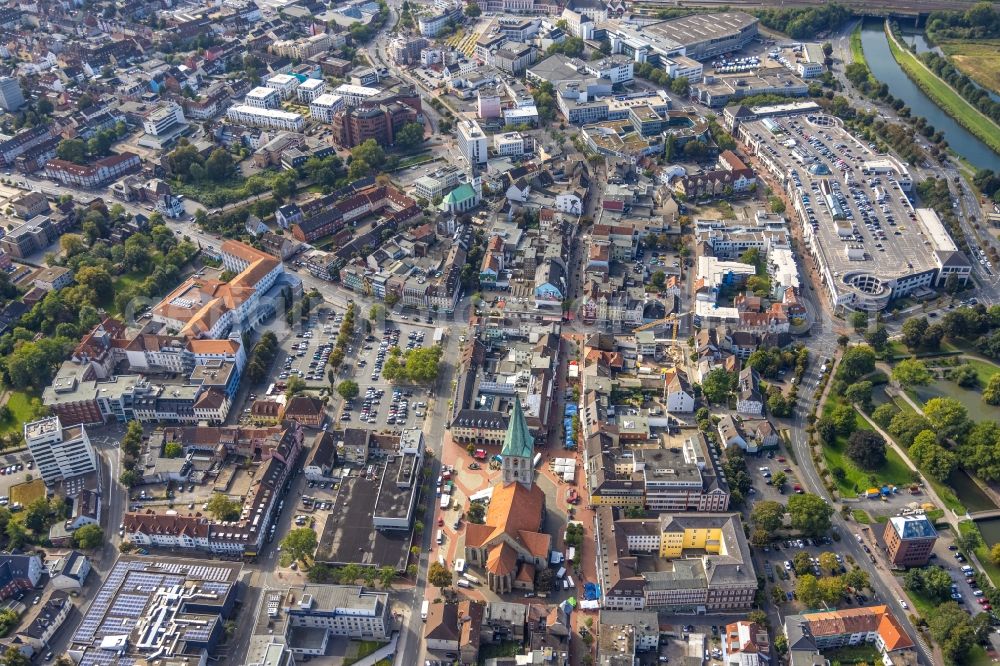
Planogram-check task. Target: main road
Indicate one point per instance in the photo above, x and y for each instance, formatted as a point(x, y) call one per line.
point(825, 346)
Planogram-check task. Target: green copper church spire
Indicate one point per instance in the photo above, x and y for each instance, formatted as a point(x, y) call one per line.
point(518, 441)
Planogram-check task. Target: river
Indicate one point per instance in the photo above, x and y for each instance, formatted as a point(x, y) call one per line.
point(917, 39)
point(885, 68)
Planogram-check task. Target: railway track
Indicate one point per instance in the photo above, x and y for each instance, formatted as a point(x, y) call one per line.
point(883, 8)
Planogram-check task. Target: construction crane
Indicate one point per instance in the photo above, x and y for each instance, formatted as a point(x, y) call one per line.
point(674, 320)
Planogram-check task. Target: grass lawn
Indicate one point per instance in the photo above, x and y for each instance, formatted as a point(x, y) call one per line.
point(856, 480)
point(984, 369)
point(947, 495)
point(121, 283)
point(978, 58)
point(861, 516)
point(982, 553)
point(365, 648)
point(865, 653)
point(857, 51)
point(945, 96)
point(903, 405)
point(414, 160)
point(21, 410)
point(978, 657)
point(126, 280)
point(922, 605)
point(214, 195)
point(895, 349)
point(27, 492)
point(498, 650)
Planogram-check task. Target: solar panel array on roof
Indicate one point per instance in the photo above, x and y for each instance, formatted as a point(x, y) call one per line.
point(128, 588)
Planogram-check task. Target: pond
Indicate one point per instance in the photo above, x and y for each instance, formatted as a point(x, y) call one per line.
point(971, 398)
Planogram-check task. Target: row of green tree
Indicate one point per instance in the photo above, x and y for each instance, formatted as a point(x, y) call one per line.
point(350, 574)
point(131, 448)
point(987, 182)
point(977, 325)
point(950, 625)
point(262, 357)
point(973, 93)
point(343, 336)
point(418, 366)
point(679, 86)
point(935, 194)
point(874, 128)
point(801, 23)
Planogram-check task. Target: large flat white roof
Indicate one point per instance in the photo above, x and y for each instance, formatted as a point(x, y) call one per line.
point(348, 89)
point(272, 113)
point(327, 99)
point(934, 230)
point(262, 92)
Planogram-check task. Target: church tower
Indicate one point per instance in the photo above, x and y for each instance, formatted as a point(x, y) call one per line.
point(518, 449)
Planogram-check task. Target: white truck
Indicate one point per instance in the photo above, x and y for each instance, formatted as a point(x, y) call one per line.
point(445, 501)
point(424, 608)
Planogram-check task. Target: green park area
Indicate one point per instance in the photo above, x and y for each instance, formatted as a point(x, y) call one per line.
point(21, 407)
point(979, 58)
point(854, 479)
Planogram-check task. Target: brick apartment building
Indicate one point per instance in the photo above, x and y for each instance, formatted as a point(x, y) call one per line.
point(909, 540)
point(356, 125)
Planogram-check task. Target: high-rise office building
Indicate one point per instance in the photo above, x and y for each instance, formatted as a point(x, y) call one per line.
point(11, 97)
point(60, 453)
point(472, 142)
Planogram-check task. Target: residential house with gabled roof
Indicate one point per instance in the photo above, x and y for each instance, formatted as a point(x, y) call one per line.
point(70, 571)
point(18, 572)
point(749, 399)
point(308, 410)
point(731, 432)
point(680, 395)
point(455, 627)
point(760, 434)
point(745, 644)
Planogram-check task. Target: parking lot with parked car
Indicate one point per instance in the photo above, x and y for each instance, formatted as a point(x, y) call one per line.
point(379, 404)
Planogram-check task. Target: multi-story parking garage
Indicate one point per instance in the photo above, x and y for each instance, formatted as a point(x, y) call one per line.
point(872, 246)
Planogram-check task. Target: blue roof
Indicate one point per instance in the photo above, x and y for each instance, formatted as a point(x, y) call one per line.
point(913, 527)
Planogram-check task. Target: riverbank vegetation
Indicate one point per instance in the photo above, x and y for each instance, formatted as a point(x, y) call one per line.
point(874, 128)
point(965, 86)
point(964, 113)
point(857, 50)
